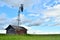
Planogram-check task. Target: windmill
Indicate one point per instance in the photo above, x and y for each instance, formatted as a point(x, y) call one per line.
point(19, 11)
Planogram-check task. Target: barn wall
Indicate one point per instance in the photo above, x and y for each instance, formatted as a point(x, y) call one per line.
point(21, 32)
point(11, 31)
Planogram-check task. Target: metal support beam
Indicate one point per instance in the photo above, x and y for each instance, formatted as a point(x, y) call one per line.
point(19, 11)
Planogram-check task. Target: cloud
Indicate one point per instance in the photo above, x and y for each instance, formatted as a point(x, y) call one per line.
point(53, 12)
point(34, 15)
point(16, 3)
point(36, 22)
point(4, 21)
point(23, 20)
point(58, 0)
point(1, 4)
point(2, 18)
point(30, 3)
point(35, 7)
point(41, 32)
point(49, 15)
point(27, 3)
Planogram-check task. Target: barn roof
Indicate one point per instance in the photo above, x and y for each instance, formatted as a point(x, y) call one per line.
point(16, 27)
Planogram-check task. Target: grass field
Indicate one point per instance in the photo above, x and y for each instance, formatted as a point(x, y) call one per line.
point(29, 37)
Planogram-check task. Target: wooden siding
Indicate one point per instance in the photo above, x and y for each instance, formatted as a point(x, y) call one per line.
point(10, 31)
point(21, 31)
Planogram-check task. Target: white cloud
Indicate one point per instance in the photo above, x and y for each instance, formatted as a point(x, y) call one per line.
point(27, 27)
point(16, 3)
point(36, 22)
point(34, 15)
point(1, 4)
point(57, 6)
point(2, 18)
point(41, 32)
point(50, 12)
point(58, 0)
point(23, 20)
point(13, 21)
point(53, 12)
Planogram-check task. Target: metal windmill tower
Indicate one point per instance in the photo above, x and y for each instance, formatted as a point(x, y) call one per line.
point(19, 11)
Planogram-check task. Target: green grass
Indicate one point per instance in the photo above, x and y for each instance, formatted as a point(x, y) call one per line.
point(29, 37)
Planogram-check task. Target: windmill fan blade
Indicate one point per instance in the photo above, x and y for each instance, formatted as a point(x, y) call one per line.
point(21, 7)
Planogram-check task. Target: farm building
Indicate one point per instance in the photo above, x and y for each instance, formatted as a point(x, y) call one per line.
point(11, 29)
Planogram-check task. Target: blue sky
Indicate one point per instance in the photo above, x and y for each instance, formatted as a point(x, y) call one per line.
point(42, 15)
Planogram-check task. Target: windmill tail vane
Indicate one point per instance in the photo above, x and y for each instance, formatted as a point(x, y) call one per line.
point(20, 8)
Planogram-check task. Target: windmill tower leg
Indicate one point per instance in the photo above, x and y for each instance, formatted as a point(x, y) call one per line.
point(19, 11)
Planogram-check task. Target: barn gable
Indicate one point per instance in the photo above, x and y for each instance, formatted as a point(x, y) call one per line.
point(9, 27)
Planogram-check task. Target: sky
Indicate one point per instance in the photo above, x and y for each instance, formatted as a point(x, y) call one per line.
point(39, 16)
